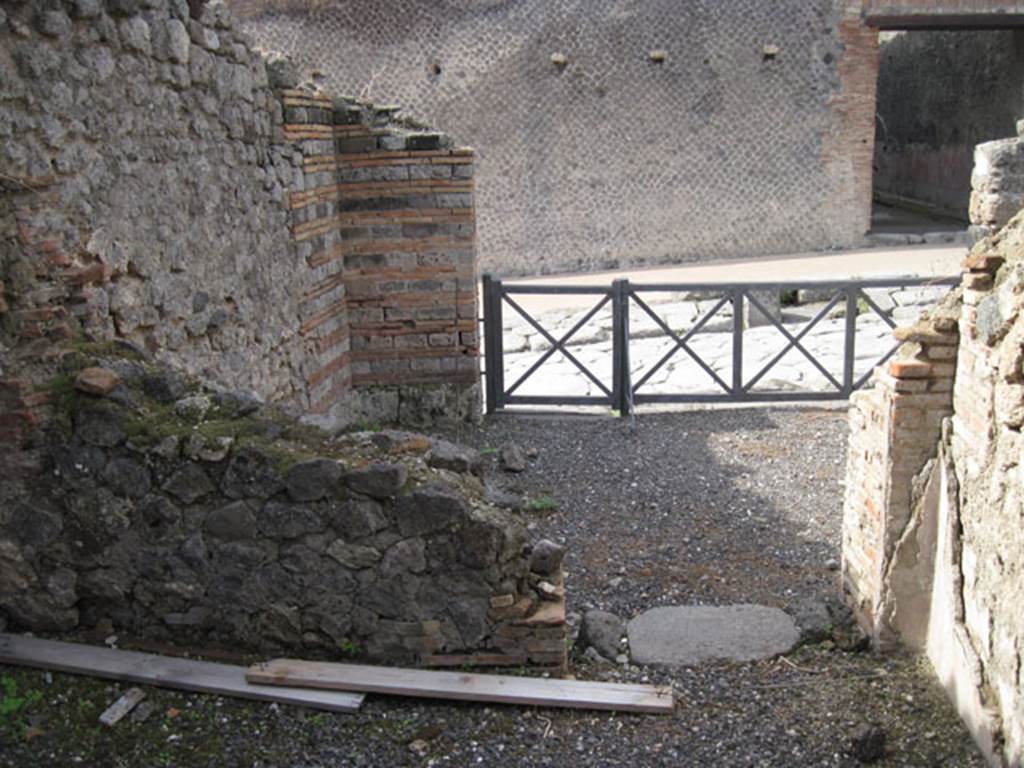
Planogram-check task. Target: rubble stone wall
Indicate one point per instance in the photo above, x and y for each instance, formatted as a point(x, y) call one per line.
point(997, 184)
point(932, 542)
point(170, 511)
point(162, 184)
point(612, 133)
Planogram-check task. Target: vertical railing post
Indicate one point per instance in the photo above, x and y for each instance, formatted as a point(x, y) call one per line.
point(849, 345)
point(620, 347)
point(737, 341)
point(490, 361)
point(494, 364)
point(498, 339)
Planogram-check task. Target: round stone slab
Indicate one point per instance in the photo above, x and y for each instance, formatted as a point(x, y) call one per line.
point(682, 636)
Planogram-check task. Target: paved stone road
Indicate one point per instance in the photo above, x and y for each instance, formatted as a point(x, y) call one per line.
point(592, 344)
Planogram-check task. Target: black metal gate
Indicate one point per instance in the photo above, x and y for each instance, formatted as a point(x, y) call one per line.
point(623, 394)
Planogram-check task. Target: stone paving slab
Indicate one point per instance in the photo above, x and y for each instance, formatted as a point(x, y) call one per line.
point(682, 636)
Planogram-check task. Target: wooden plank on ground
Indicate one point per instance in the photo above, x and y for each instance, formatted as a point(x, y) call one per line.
point(113, 714)
point(164, 671)
point(432, 684)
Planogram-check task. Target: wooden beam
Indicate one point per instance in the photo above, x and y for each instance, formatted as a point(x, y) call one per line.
point(164, 671)
point(461, 686)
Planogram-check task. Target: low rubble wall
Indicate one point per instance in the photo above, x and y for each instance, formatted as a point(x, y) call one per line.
point(168, 511)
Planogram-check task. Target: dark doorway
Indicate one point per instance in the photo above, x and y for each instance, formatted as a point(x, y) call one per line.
point(940, 93)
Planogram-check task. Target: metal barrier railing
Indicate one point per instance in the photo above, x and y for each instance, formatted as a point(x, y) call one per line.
point(623, 394)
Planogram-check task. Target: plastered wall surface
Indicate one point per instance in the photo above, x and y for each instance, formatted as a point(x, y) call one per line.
point(612, 133)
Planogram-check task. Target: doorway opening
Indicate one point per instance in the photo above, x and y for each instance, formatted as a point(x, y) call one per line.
point(941, 91)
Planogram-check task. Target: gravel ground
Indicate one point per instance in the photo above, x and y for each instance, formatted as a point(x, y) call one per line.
point(709, 506)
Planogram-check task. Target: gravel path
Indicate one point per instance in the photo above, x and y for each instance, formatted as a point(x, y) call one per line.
point(703, 506)
point(710, 506)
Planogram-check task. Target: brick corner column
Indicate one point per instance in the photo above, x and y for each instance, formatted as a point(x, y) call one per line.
point(894, 429)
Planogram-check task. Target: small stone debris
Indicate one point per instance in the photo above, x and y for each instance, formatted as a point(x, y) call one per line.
point(97, 381)
point(867, 743)
point(457, 458)
point(513, 458)
point(419, 747)
point(546, 557)
point(192, 409)
point(813, 618)
point(602, 631)
point(549, 591)
point(125, 704)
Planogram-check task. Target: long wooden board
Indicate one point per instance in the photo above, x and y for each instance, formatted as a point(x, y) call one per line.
point(163, 671)
point(431, 684)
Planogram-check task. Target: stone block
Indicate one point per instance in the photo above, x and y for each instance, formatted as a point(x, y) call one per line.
point(312, 480)
point(754, 317)
point(430, 509)
point(234, 522)
point(378, 481)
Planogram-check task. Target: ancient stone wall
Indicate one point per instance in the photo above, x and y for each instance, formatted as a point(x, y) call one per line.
point(940, 94)
point(997, 183)
point(933, 551)
point(143, 193)
point(612, 133)
point(157, 188)
point(172, 511)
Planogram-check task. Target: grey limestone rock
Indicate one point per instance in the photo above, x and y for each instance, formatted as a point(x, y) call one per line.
point(546, 557)
point(282, 73)
point(232, 523)
point(127, 478)
point(353, 555)
point(250, 474)
point(40, 612)
point(358, 518)
point(486, 538)
point(602, 631)
point(159, 515)
point(289, 521)
point(235, 405)
point(99, 429)
point(688, 635)
point(378, 480)
point(457, 458)
point(429, 509)
point(513, 458)
point(813, 618)
point(404, 556)
point(867, 743)
point(164, 386)
point(123, 7)
point(192, 409)
point(312, 480)
point(53, 23)
point(85, 9)
point(135, 35)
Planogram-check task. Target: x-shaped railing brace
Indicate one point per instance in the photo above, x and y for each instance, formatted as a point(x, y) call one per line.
point(559, 345)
